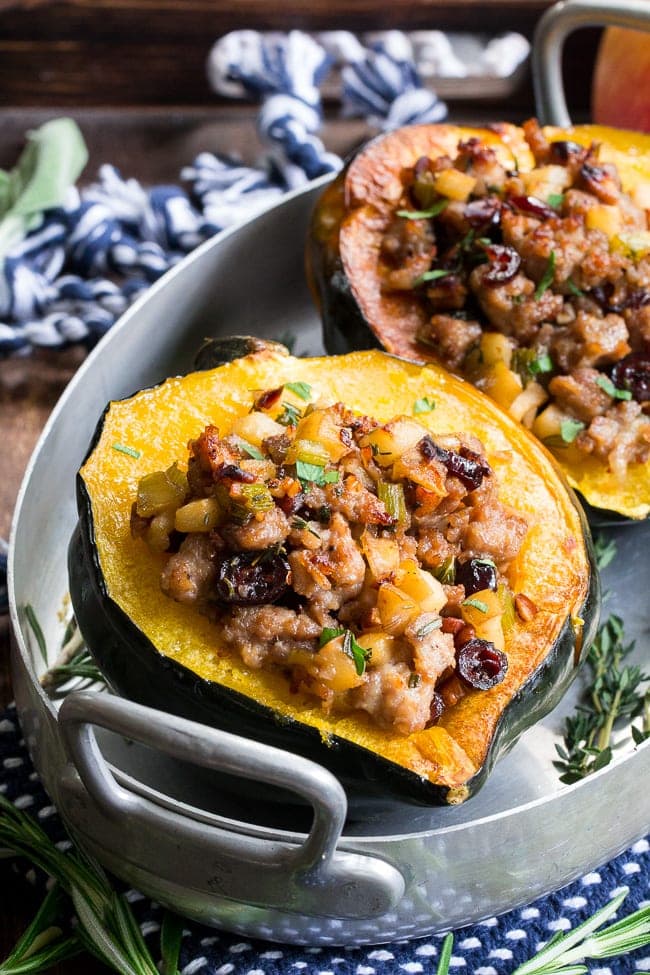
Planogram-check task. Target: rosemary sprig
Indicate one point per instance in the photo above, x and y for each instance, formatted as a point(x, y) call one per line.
point(73, 660)
point(106, 925)
point(43, 943)
point(615, 694)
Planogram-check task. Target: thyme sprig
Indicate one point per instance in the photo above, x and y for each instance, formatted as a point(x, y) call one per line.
point(616, 694)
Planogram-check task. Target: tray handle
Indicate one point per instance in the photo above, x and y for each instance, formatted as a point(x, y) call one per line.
point(551, 32)
point(313, 877)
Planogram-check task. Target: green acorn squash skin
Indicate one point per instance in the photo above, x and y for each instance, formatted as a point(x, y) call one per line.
point(137, 669)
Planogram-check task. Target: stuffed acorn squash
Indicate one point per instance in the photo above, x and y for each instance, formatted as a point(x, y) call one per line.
point(519, 258)
point(357, 558)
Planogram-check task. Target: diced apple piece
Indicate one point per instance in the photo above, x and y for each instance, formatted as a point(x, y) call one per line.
point(454, 185)
point(502, 384)
point(395, 608)
point(495, 347)
point(320, 427)
point(607, 219)
point(392, 440)
point(256, 427)
point(421, 585)
point(381, 554)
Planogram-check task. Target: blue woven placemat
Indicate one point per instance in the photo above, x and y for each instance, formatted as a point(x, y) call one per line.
point(494, 947)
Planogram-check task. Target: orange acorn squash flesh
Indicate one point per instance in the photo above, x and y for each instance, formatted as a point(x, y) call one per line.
point(346, 233)
point(444, 763)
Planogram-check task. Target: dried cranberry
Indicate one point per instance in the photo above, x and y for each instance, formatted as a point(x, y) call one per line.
point(476, 574)
point(633, 373)
point(291, 505)
point(252, 578)
point(233, 473)
point(268, 398)
point(481, 665)
point(466, 465)
point(436, 708)
point(638, 298)
point(533, 206)
point(563, 150)
point(504, 264)
point(483, 213)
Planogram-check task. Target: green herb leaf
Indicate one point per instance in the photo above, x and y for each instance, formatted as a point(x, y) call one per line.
point(425, 404)
point(414, 679)
point(315, 474)
point(574, 289)
point(251, 450)
point(445, 955)
point(541, 364)
point(569, 430)
point(477, 604)
point(433, 275)
point(171, 936)
point(555, 200)
point(329, 633)
point(615, 695)
point(547, 277)
point(446, 571)
point(608, 387)
point(32, 619)
point(51, 162)
point(604, 550)
point(303, 390)
point(290, 415)
point(432, 211)
point(350, 646)
point(429, 627)
point(122, 449)
point(356, 652)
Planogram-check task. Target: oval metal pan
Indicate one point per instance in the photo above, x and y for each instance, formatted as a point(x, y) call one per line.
point(522, 836)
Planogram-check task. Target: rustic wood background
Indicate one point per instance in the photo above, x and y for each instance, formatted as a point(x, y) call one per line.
point(132, 72)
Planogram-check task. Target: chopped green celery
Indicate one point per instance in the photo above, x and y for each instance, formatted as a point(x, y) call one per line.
point(392, 496)
point(161, 491)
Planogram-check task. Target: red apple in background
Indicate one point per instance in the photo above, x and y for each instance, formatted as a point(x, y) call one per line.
point(621, 85)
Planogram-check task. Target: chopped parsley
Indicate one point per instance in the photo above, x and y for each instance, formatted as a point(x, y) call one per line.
point(555, 200)
point(569, 430)
point(608, 387)
point(315, 474)
point(251, 450)
point(123, 449)
point(543, 363)
point(289, 416)
point(425, 404)
point(433, 211)
point(303, 390)
point(350, 646)
point(526, 362)
point(477, 604)
point(547, 277)
point(414, 679)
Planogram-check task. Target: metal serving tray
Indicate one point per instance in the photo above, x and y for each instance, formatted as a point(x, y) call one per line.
point(182, 811)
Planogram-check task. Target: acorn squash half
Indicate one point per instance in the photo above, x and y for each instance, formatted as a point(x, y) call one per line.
point(346, 269)
point(166, 655)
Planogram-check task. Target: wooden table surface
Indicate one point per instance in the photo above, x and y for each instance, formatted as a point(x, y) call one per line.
point(150, 142)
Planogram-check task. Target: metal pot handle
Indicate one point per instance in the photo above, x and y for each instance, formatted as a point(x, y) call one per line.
point(551, 32)
point(312, 877)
